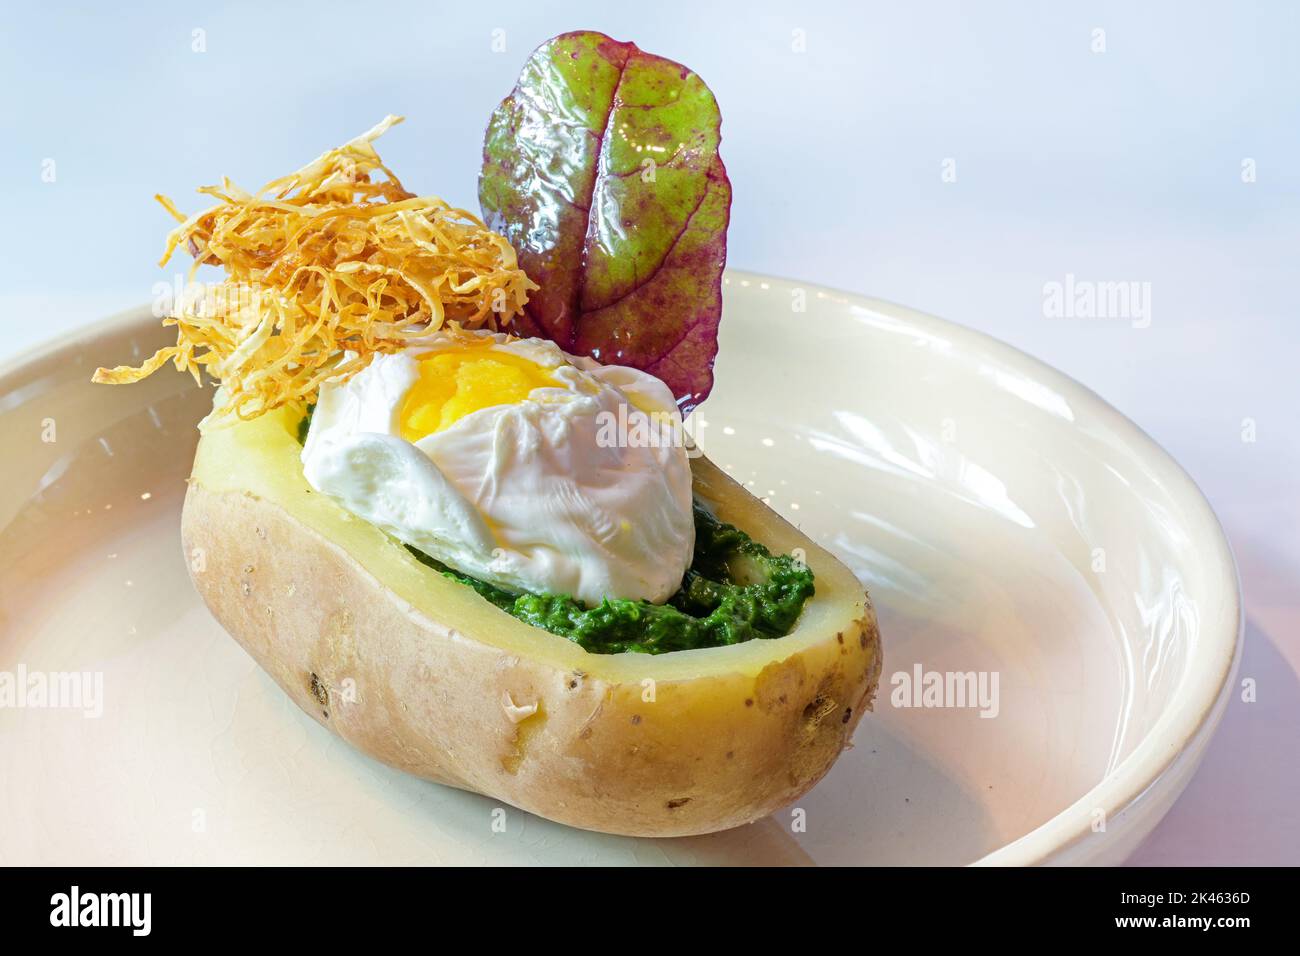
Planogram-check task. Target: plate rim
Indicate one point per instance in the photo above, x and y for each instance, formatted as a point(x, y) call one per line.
point(1180, 732)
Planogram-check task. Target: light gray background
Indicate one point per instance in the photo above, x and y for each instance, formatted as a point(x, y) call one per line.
point(1122, 165)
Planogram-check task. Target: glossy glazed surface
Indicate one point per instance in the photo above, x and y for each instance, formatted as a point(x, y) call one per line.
point(1006, 520)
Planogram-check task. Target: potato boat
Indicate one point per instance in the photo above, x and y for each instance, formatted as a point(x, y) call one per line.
point(418, 671)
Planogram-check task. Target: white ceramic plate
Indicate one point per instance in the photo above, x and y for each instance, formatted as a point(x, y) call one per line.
point(1007, 521)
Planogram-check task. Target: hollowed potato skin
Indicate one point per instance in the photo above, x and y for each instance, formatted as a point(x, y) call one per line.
point(660, 758)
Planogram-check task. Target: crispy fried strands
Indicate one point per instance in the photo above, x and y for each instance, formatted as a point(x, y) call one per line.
point(325, 268)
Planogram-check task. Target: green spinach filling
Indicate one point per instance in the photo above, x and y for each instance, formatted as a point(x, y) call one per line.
point(735, 590)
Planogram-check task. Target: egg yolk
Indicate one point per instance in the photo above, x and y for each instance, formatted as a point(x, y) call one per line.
point(454, 383)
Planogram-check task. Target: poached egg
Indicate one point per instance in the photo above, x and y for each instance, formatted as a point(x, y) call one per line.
point(513, 462)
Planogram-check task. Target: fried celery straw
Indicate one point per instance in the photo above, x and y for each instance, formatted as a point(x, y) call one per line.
point(325, 268)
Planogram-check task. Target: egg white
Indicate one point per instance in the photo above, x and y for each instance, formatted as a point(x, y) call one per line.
point(529, 496)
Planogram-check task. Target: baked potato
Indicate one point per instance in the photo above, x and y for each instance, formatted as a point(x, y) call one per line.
point(419, 672)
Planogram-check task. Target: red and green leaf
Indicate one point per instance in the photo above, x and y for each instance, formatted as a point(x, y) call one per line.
point(602, 169)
